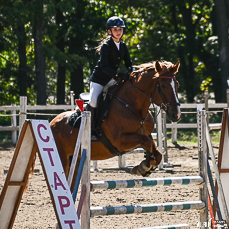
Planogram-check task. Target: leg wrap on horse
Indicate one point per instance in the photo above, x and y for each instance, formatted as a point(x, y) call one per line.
point(144, 169)
point(149, 157)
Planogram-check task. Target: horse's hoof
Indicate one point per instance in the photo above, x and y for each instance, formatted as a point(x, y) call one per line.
point(142, 169)
point(148, 173)
point(135, 171)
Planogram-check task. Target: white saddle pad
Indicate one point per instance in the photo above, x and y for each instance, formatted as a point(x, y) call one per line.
point(84, 96)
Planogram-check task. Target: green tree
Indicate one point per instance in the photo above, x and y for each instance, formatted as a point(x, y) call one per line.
point(222, 31)
point(51, 49)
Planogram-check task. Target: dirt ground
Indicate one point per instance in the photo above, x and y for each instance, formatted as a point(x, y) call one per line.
point(36, 210)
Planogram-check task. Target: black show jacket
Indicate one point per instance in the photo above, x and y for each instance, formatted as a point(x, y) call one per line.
point(110, 58)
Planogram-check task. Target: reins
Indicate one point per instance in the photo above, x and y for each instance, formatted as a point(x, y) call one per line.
point(149, 96)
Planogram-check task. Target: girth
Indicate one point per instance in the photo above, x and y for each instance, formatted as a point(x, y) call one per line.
point(103, 139)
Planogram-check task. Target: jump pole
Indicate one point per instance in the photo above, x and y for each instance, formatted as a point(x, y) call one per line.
point(149, 182)
point(146, 208)
point(180, 226)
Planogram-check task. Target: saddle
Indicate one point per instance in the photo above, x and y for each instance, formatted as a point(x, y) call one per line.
point(101, 111)
point(104, 101)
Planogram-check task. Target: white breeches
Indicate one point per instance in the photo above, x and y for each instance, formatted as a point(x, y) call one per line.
point(96, 89)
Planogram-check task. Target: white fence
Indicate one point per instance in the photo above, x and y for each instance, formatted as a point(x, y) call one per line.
point(25, 109)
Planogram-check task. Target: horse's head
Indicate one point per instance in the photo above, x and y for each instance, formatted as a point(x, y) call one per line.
point(157, 81)
point(165, 94)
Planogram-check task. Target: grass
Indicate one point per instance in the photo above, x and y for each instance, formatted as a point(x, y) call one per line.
point(5, 137)
point(189, 137)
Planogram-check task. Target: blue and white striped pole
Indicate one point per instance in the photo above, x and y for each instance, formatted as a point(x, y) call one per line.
point(178, 226)
point(172, 206)
point(139, 183)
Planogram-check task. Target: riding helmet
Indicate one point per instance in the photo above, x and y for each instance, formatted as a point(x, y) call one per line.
point(115, 22)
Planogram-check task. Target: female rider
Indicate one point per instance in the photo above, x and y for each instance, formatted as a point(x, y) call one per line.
point(112, 52)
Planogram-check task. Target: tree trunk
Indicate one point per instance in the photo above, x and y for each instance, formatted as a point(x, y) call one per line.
point(183, 70)
point(61, 84)
point(61, 75)
point(76, 47)
point(222, 30)
point(190, 34)
point(77, 80)
point(39, 58)
point(22, 73)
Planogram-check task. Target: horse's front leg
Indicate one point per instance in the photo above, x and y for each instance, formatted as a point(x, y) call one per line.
point(153, 155)
point(146, 167)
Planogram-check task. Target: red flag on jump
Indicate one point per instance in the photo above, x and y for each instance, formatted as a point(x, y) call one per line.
point(79, 102)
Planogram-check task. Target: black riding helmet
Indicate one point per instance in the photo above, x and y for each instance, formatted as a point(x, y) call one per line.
point(115, 22)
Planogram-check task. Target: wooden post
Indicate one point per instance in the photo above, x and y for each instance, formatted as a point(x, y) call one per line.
point(122, 161)
point(174, 135)
point(77, 148)
point(227, 98)
point(164, 140)
point(95, 166)
point(72, 100)
point(86, 144)
point(228, 94)
point(14, 124)
point(159, 137)
point(206, 106)
point(202, 155)
point(23, 111)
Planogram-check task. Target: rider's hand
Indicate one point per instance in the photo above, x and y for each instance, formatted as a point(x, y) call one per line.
point(122, 76)
point(126, 76)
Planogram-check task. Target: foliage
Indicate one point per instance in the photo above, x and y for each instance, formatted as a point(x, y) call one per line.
point(156, 29)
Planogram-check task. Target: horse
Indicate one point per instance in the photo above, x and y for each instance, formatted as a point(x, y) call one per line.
point(129, 123)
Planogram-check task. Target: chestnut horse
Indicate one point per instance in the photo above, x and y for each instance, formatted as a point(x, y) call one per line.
point(129, 123)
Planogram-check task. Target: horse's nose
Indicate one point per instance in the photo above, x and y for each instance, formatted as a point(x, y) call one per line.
point(176, 114)
point(176, 117)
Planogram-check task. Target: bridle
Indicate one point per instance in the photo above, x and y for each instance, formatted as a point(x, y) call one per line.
point(163, 105)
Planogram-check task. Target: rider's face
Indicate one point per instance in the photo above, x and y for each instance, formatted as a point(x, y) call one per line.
point(117, 33)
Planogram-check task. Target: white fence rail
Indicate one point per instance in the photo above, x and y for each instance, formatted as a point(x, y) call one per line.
point(207, 106)
point(24, 109)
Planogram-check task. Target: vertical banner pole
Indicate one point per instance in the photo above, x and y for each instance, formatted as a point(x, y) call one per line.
point(202, 155)
point(86, 144)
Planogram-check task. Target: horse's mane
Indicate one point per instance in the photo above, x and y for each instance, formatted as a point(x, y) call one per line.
point(165, 65)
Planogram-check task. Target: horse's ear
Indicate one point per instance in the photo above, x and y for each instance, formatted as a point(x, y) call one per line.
point(175, 68)
point(158, 67)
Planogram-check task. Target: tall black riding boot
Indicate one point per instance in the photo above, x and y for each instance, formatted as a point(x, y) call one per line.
point(92, 110)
